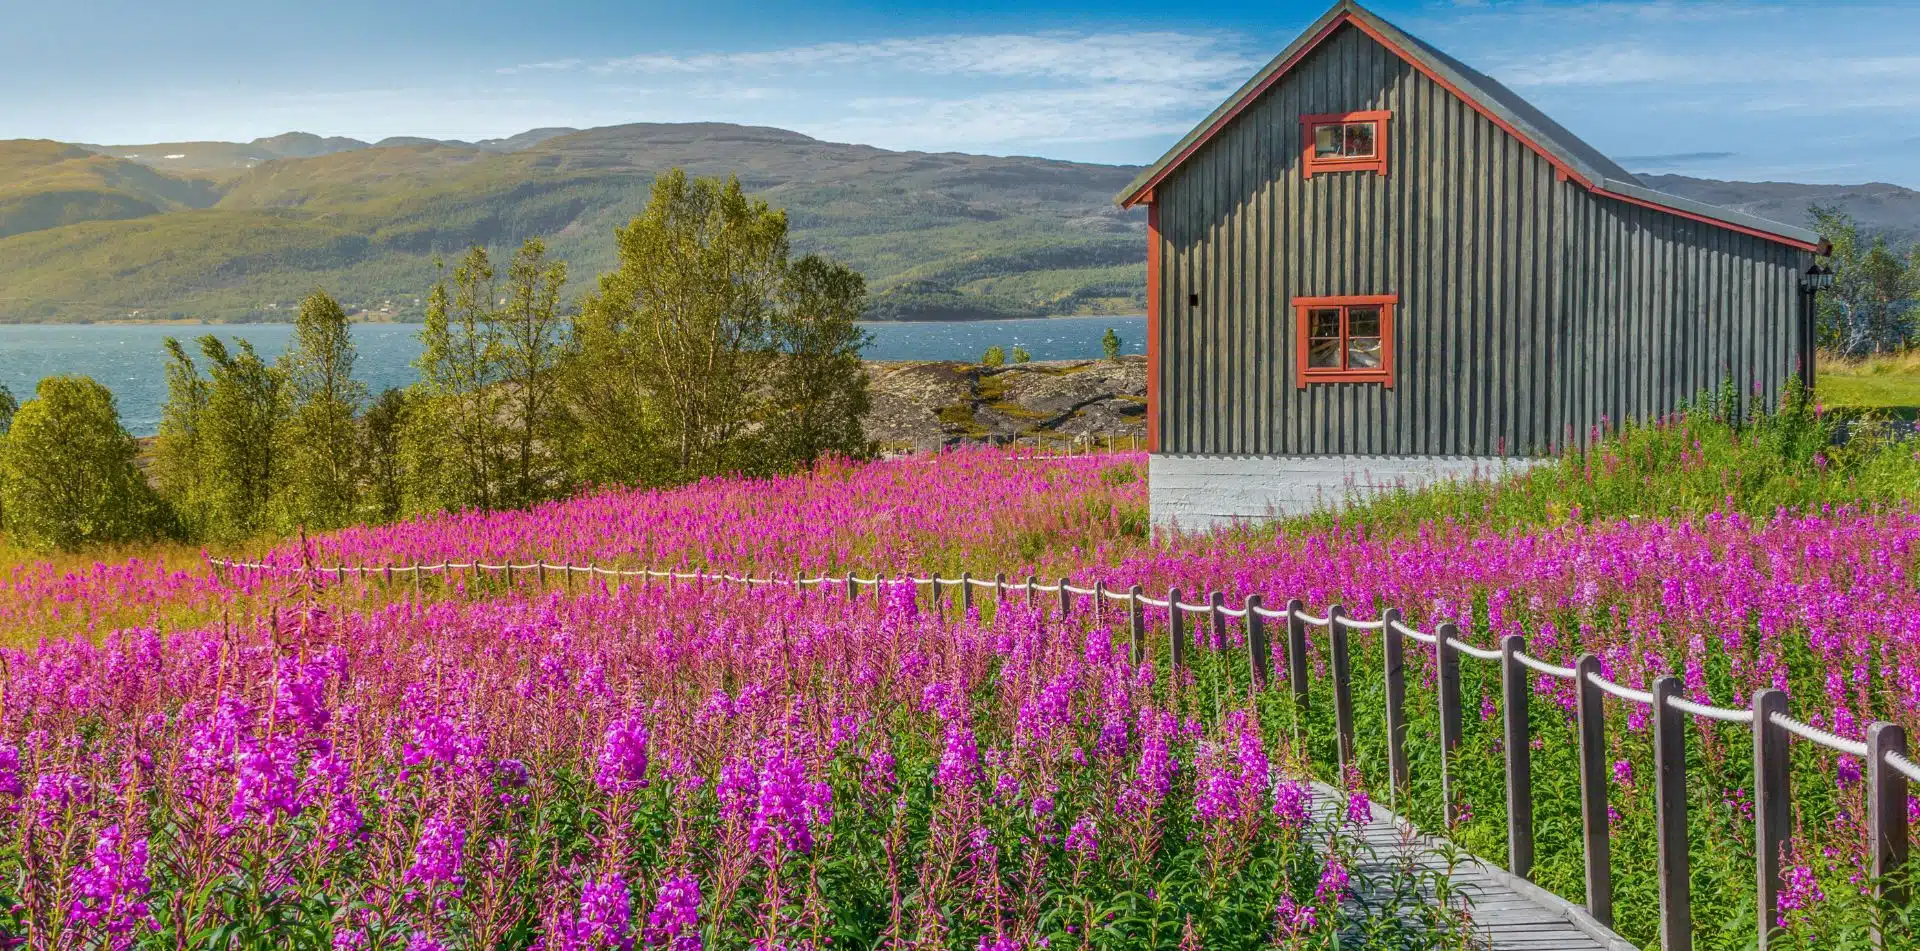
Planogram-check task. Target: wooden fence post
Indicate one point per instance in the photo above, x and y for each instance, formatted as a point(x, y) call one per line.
point(999, 590)
point(1258, 659)
point(1032, 582)
point(1218, 619)
point(1297, 652)
point(1176, 631)
point(1518, 739)
point(1342, 670)
point(1394, 646)
point(1137, 623)
point(1670, 793)
point(1593, 790)
point(966, 593)
point(1447, 663)
point(1066, 598)
point(853, 589)
point(1099, 600)
point(1887, 809)
point(1772, 806)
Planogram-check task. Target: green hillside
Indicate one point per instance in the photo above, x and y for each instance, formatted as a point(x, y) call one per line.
point(938, 235)
point(46, 184)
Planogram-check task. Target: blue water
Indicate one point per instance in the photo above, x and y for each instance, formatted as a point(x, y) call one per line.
point(129, 358)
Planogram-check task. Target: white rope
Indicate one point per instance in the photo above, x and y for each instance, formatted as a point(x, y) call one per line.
point(1832, 741)
point(1528, 660)
point(919, 580)
point(1231, 612)
point(1271, 612)
point(1722, 714)
point(949, 581)
point(526, 567)
point(1119, 596)
point(1472, 651)
point(1310, 619)
point(1073, 590)
point(1362, 625)
point(1904, 765)
point(983, 582)
point(1149, 602)
point(866, 581)
point(1624, 693)
point(1195, 608)
point(1046, 588)
point(1416, 634)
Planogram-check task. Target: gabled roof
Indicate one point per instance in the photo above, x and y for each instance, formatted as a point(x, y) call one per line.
point(1571, 158)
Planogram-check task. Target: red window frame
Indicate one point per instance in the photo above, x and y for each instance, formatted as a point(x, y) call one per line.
point(1383, 374)
point(1312, 164)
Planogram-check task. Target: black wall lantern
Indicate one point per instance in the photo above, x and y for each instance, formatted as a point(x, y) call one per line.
point(1817, 278)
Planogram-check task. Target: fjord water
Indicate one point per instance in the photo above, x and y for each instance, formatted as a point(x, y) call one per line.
point(129, 360)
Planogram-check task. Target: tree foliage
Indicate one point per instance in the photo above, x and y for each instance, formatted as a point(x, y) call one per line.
point(246, 406)
point(532, 337)
point(1870, 308)
point(708, 350)
point(323, 442)
point(67, 473)
point(455, 443)
point(180, 452)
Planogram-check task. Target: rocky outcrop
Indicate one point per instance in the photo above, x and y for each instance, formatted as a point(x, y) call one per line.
point(923, 405)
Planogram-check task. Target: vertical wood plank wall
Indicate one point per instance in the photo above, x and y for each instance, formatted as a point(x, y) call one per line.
point(1529, 310)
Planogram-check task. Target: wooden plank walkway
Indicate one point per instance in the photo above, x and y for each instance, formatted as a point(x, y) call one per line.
point(1509, 914)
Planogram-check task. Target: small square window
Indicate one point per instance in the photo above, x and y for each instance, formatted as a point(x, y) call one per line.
point(1345, 142)
point(1344, 339)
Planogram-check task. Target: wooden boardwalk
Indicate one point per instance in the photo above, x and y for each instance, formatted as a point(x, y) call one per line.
point(1509, 914)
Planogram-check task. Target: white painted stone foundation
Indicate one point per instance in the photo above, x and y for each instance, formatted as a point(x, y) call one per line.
point(1196, 493)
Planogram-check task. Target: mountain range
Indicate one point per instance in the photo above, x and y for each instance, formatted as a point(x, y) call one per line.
point(242, 231)
point(231, 231)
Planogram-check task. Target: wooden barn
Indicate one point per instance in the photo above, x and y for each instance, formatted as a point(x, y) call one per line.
point(1374, 265)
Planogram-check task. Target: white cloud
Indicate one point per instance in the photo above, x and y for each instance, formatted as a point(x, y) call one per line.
point(557, 65)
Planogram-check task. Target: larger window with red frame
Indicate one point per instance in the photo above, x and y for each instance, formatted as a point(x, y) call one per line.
point(1345, 339)
point(1345, 142)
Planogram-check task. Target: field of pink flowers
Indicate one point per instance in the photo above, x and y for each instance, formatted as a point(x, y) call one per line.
point(639, 766)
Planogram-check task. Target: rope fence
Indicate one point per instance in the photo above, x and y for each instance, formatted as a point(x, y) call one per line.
point(1888, 769)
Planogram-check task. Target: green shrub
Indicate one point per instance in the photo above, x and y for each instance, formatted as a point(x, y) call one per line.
point(67, 471)
point(995, 356)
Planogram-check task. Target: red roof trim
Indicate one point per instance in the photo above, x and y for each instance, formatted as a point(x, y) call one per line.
point(1822, 248)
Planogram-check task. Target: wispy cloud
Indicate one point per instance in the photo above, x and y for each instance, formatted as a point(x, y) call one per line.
point(1173, 57)
point(557, 65)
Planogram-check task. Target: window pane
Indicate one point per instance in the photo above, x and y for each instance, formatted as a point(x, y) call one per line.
point(1326, 140)
point(1359, 140)
point(1324, 322)
point(1363, 321)
point(1324, 354)
point(1363, 353)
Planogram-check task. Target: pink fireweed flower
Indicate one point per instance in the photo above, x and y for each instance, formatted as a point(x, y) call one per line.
point(1359, 808)
point(10, 784)
point(960, 762)
point(1802, 893)
point(604, 921)
point(1083, 838)
point(266, 784)
point(1333, 882)
point(1623, 773)
point(674, 922)
point(622, 764)
point(110, 891)
point(1290, 803)
point(1292, 919)
point(439, 854)
point(787, 807)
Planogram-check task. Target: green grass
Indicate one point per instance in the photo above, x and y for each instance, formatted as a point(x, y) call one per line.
point(1890, 383)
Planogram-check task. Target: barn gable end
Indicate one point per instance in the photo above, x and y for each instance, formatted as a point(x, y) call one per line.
point(1530, 306)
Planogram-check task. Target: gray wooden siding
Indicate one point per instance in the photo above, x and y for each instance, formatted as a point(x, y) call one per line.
point(1529, 308)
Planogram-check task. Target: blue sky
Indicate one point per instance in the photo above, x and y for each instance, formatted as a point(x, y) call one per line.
point(1805, 92)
